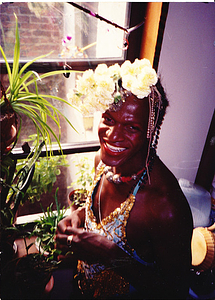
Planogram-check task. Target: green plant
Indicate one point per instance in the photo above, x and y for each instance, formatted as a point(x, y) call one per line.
point(13, 189)
point(45, 228)
point(45, 175)
point(16, 100)
point(83, 182)
point(26, 277)
point(22, 97)
point(47, 169)
point(19, 99)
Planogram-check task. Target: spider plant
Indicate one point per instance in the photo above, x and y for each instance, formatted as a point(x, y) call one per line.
point(19, 98)
point(22, 97)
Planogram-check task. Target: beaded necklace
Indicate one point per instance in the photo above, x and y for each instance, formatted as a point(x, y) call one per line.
point(143, 179)
point(117, 178)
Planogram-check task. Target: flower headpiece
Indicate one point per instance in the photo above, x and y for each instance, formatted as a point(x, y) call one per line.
point(106, 87)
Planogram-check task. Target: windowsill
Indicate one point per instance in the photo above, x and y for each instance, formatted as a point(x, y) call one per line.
point(67, 148)
point(33, 217)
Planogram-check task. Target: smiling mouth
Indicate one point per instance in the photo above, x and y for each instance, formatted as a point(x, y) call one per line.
point(114, 149)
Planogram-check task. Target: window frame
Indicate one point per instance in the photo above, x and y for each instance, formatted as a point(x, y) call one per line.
point(133, 52)
point(79, 64)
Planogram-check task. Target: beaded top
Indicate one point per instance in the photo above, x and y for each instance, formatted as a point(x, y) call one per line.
point(113, 227)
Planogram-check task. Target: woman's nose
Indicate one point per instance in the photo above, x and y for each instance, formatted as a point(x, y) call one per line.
point(115, 133)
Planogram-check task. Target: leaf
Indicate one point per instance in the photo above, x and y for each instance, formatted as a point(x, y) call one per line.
point(16, 55)
point(7, 65)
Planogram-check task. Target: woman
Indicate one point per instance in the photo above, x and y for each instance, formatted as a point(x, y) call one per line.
point(133, 237)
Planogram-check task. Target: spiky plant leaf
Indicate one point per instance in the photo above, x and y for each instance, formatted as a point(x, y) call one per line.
point(35, 106)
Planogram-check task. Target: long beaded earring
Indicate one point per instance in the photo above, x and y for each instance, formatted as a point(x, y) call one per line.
point(151, 120)
point(154, 103)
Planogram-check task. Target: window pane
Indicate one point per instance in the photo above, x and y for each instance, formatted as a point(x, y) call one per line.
point(64, 29)
point(46, 172)
point(85, 128)
point(57, 26)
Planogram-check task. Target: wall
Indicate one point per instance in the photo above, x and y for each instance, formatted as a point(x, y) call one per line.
point(186, 66)
point(40, 28)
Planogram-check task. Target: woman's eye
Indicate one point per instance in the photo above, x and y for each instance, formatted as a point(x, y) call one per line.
point(132, 128)
point(107, 120)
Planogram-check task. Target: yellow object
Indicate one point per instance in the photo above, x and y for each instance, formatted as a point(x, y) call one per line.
point(203, 249)
point(150, 33)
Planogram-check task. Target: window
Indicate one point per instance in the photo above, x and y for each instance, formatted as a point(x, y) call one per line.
point(69, 32)
point(75, 39)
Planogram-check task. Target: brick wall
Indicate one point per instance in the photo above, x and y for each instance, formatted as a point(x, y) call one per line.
point(41, 31)
point(40, 28)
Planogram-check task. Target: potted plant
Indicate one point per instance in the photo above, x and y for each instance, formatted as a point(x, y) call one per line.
point(82, 184)
point(18, 99)
point(13, 189)
point(33, 272)
point(22, 97)
point(29, 276)
point(45, 228)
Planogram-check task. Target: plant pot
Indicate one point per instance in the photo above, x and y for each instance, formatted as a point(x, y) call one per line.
point(73, 201)
point(28, 277)
point(9, 125)
point(8, 252)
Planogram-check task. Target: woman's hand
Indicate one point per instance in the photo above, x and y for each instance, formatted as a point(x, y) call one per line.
point(84, 245)
point(77, 243)
point(76, 219)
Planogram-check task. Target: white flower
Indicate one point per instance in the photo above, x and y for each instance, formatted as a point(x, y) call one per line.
point(86, 82)
point(73, 98)
point(114, 71)
point(138, 65)
point(127, 81)
point(139, 91)
point(101, 70)
point(127, 69)
point(95, 90)
point(105, 86)
point(148, 77)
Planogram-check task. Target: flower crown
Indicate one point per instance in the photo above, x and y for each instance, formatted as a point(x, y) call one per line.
point(105, 87)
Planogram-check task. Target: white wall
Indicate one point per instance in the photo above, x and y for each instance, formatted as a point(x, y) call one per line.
point(187, 66)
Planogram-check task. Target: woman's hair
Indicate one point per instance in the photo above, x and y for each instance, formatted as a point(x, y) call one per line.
point(159, 111)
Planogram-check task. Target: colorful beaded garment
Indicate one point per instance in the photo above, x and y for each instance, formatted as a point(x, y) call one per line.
point(98, 280)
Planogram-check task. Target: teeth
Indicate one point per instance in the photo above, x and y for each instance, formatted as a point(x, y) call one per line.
point(115, 149)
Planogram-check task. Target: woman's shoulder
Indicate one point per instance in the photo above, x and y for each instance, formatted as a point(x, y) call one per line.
point(97, 159)
point(163, 197)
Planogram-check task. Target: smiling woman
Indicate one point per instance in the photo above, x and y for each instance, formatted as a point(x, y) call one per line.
point(133, 238)
point(121, 136)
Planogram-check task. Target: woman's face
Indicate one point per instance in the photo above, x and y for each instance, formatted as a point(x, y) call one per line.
point(122, 135)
